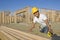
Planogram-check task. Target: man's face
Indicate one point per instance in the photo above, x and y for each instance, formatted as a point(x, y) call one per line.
point(36, 14)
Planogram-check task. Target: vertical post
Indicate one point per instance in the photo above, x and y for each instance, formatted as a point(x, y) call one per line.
point(28, 15)
point(0, 17)
point(50, 15)
point(53, 16)
point(59, 17)
point(15, 18)
point(10, 18)
point(3, 16)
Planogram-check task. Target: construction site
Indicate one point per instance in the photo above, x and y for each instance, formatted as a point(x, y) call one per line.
point(22, 17)
point(25, 15)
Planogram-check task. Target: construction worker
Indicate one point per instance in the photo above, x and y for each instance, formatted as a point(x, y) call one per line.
point(43, 20)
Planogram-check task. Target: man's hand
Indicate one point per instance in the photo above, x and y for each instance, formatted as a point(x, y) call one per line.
point(50, 30)
point(33, 26)
point(49, 26)
point(30, 30)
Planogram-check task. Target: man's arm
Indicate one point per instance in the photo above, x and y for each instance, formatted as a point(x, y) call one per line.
point(33, 26)
point(49, 26)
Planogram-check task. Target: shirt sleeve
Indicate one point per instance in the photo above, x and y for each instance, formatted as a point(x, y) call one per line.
point(44, 17)
point(34, 20)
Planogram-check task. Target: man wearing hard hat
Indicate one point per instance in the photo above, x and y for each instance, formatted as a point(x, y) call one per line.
point(43, 20)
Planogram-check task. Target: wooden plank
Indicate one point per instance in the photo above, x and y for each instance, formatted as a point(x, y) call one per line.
point(26, 34)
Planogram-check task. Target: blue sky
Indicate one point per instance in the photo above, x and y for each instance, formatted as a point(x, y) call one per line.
point(14, 5)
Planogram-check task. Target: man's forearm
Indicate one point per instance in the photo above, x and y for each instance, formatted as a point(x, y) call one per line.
point(48, 25)
point(33, 26)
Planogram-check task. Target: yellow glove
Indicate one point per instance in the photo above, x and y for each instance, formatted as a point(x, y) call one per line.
point(49, 34)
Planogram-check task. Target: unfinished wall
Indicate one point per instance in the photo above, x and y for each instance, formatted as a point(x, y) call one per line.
point(25, 16)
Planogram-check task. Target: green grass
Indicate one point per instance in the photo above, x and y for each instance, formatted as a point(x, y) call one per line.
point(55, 27)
